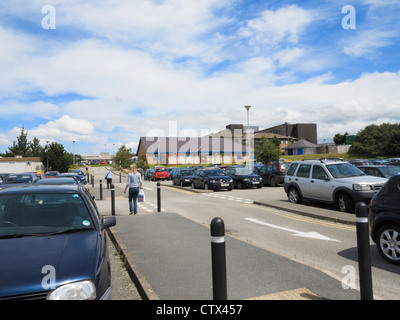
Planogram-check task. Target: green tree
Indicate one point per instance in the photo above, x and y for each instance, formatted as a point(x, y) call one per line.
point(21, 147)
point(266, 150)
point(340, 139)
point(55, 156)
point(376, 141)
point(124, 157)
point(34, 149)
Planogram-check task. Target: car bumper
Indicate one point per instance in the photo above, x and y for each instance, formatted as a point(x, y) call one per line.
point(249, 184)
point(218, 185)
point(362, 196)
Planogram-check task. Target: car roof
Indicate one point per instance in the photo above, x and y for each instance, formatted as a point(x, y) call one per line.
point(31, 189)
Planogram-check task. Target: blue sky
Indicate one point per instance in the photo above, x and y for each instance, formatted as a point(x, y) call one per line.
point(112, 71)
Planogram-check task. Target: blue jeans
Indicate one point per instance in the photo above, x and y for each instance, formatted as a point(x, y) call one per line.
point(133, 195)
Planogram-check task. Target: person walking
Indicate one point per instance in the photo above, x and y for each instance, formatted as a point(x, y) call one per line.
point(134, 183)
point(109, 178)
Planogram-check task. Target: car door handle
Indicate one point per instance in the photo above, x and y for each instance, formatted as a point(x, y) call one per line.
point(296, 179)
point(312, 181)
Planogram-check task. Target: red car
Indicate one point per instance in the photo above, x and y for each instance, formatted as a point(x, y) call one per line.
point(51, 174)
point(159, 173)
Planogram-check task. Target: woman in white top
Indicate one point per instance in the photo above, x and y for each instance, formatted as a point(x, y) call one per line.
point(134, 183)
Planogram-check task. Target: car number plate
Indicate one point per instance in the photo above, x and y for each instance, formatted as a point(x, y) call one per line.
point(224, 184)
point(255, 182)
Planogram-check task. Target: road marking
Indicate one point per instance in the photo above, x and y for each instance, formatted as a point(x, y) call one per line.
point(312, 235)
point(293, 216)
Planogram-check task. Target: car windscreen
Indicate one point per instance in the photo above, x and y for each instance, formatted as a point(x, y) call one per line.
point(187, 172)
point(214, 172)
point(18, 179)
point(344, 170)
point(50, 174)
point(39, 214)
point(243, 171)
point(390, 171)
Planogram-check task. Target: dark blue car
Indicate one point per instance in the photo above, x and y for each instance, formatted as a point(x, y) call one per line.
point(53, 244)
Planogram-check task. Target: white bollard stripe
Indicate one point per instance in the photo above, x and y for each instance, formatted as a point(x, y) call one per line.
point(362, 220)
point(218, 239)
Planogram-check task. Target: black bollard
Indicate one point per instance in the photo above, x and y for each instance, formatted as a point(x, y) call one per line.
point(120, 177)
point(112, 200)
point(158, 197)
point(92, 181)
point(364, 254)
point(218, 259)
point(101, 190)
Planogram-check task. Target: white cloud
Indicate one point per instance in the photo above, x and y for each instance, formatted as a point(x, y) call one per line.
point(273, 27)
point(65, 129)
point(366, 43)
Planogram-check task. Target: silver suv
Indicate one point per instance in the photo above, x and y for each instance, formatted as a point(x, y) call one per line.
point(336, 182)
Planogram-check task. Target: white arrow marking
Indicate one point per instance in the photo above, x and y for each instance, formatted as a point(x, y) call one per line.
point(312, 235)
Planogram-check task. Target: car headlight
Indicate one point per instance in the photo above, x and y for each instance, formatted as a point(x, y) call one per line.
point(81, 290)
point(362, 187)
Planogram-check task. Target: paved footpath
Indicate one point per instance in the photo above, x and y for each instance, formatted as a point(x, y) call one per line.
point(169, 258)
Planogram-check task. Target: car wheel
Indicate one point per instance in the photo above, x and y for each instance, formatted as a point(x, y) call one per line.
point(273, 182)
point(240, 185)
point(193, 186)
point(294, 196)
point(181, 183)
point(206, 186)
point(229, 189)
point(345, 203)
point(388, 243)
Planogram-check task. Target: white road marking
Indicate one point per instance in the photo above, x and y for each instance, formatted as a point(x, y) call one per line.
point(312, 235)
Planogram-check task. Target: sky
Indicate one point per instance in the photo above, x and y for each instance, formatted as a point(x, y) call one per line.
point(103, 73)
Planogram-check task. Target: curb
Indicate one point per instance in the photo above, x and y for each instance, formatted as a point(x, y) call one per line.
point(144, 288)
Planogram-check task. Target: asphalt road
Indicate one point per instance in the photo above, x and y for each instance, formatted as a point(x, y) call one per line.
point(323, 245)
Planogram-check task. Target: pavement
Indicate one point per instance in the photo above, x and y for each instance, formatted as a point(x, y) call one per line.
point(168, 257)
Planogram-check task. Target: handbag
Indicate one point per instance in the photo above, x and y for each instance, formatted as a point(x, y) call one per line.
point(141, 196)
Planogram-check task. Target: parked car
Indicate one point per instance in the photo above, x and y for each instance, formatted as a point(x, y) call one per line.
point(171, 171)
point(360, 162)
point(56, 181)
point(2, 176)
point(51, 174)
point(159, 173)
point(330, 181)
point(18, 179)
point(147, 174)
point(243, 177)
point(274, 173)
point(384, 220)
point(211, 179)
point(183, 177)
point(380, 170)
point(78, 177)
point(53, 244)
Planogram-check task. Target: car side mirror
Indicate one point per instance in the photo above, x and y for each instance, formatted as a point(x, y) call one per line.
point(108, 222)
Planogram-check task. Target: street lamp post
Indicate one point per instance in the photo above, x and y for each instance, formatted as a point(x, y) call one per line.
point(73, 153)
point(325, 148)
point(247, 107)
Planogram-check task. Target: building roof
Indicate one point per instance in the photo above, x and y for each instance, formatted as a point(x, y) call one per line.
point(190, 144)
point(301, 144)
point(20, 159)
